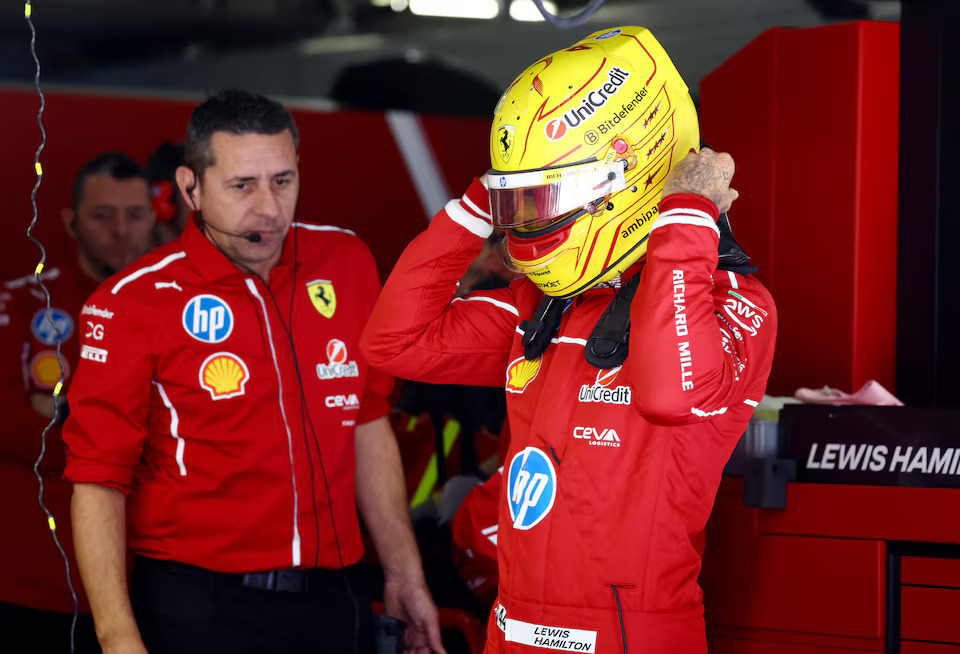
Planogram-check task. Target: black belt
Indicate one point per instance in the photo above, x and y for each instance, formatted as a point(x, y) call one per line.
point(283, 581)
point(297, 580)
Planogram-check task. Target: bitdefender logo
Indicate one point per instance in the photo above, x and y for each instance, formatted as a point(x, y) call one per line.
point(596, 98)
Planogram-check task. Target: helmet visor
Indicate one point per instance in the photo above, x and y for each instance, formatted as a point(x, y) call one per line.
point(536, 199)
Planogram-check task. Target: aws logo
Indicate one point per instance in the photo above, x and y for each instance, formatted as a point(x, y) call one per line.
point(744, 312)
point(520, 373)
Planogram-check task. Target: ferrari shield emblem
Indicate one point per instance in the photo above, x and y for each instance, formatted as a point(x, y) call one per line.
point(505, 141)
point(323, 296)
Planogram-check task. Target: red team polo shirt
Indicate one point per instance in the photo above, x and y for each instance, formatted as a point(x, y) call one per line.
point(218, 402)
point(31, 569)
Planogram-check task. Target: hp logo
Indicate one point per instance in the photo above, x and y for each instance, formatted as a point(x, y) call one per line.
point(208, 319)
point(532, 483)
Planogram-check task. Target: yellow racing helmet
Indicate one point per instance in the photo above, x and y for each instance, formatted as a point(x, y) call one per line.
point(580, 145)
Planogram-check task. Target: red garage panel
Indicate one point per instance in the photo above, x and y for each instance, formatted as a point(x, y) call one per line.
point(728, 646)
point(908, 647)
point(811, 115)
point(352, 173)
point(925, 571)
point(930, 614)
point(807, 585)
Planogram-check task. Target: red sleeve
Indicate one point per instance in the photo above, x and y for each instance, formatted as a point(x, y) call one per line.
point(419, 330)
point(109, 396)
point(707, 336)
point(474, 531)
point(376, 390)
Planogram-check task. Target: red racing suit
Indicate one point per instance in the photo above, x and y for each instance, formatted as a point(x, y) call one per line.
point(226, 407)
point(611, 474)
point(31, 569)
point(474, 532)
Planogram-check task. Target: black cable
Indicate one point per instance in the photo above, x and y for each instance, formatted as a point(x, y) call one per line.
point(571, 21)
point(623, 631)
point(51, 522)
point(304, 414)
point(303, 407)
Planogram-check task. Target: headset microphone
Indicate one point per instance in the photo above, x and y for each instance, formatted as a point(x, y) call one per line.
point(253, 238)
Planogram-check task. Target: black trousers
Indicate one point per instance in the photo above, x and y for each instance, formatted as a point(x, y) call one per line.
point(182, 609)
point(31, 630)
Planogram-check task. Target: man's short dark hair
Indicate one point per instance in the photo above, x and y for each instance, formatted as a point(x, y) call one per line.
point(117, 165)
point(237, 112)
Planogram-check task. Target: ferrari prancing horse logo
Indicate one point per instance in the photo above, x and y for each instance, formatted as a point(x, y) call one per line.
point(505, 141)
point(323, 296)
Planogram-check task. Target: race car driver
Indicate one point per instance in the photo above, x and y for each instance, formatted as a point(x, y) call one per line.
point(633, 353)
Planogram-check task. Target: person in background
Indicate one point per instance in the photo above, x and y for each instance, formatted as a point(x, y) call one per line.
point(168, 204)
point(226, 429)
point(111, 220)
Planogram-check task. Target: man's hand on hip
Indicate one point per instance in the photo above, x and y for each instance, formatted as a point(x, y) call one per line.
point(706, 173)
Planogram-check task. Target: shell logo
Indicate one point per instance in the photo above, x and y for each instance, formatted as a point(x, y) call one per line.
point(224, 375)
point(45, 369)
point(520, 373)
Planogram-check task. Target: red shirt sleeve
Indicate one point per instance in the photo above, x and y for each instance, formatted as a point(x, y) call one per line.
point(375, 403)
point(110, 395)
point(418, 330)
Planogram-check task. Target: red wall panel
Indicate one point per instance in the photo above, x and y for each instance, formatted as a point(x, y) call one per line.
point(798, 584)
point(930, 614)
point(736, 116)
point(925, 571)
point(351, 170)
point(811, 115)
point(907, 647)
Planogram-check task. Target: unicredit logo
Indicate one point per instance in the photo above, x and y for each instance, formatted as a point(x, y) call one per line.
point(596, 98)
point(617, 395)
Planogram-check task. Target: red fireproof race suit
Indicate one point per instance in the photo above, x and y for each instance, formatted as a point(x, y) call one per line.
point(611, 474)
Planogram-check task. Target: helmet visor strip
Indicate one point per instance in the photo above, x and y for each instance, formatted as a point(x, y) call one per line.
point(535, 199)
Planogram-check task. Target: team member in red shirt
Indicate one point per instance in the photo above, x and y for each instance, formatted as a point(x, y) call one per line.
point(111, 220)
point(223, 408)
point(632, 355)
